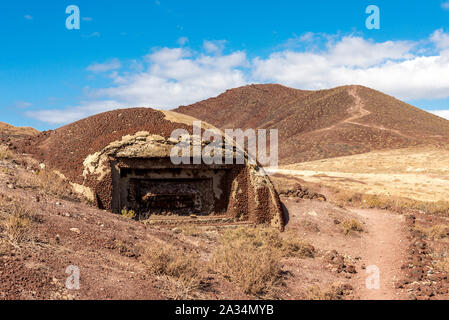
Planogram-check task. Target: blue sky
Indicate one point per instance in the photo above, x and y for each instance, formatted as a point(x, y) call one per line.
point(167, 53)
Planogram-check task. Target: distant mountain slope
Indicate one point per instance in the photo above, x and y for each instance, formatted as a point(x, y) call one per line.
point(323, 124)
point(8, 131)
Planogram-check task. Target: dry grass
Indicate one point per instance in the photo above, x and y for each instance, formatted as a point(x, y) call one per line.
point(420, 174)
point(53, 184)
point(5, 153)
point(16, 222)
point(47, 182)
point(351, 225)
point(250, 258)
point(180, 270)
point(333, 292)
point(435, 232)
point(191, 230)
point(396, 204)
point(130, 214)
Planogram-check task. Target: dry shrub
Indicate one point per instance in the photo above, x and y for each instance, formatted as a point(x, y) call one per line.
point(5, 153)
point(191, 230)
point(48, 182)
point(250, 258)
point(130, 214)
point(440, 231)
point(333, 292)
point(292, 247)
point(180, 269)
point(53, 184)
point(17, 222)
point(351, 225)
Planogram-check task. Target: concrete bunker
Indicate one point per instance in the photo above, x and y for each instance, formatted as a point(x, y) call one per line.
point(121, 160)
point(156, 186)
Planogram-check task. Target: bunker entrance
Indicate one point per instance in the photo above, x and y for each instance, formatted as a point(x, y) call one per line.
point(157, 187)
point(177, 196)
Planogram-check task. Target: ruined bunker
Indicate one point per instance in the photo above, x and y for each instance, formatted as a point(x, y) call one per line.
point(121, 160)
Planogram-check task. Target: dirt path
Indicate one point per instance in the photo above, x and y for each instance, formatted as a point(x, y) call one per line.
point(383, 246)
point(358, 111)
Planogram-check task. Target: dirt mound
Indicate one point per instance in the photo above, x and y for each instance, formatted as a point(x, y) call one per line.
point(323, 124)
point(67, 147)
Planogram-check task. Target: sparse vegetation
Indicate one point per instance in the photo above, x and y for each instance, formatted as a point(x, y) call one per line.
point(16, 223)
point(351, 225)
point(130, 214)
point(5, 153)
point(397, 204)
point(439, 231)
point(333, 292)
point(179, 268)
point(47, 182)
point(53, 184)
point(190, 230)
point(250, 257)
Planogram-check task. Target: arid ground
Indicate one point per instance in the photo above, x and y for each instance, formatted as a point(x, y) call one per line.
point(326, 252)
point(363, 183)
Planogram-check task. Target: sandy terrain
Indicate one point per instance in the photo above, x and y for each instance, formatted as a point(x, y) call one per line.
point(416, 173)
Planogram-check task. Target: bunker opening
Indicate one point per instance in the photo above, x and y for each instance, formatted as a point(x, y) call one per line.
point(157, 187)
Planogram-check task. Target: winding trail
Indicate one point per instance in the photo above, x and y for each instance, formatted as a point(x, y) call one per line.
point(358, 111)
point(384, 245)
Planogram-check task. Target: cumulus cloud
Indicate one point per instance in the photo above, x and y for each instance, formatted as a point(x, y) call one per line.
point(440, 39)
point(169, 77)
point(70, 114)
point(113, 64)
point(214, 46)
point(183, 40)
point(177, 76)
point(441, 113)
point(393, 67)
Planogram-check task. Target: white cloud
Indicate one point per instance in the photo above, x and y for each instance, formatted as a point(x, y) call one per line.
point(175, 76)
point(441, 113)
point(28, 17)
point(169, 77)
point(392, 67)
point(70, 114)
point(113, 64)
point(183, 40)
point(214, 46)
point(445, 5)
point(440, 39)
point(22, 104)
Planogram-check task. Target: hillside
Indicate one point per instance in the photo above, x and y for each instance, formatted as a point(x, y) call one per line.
point(323, 124)
point(9, 131)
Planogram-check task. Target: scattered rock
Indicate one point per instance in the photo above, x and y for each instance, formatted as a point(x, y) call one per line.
point(76, 230)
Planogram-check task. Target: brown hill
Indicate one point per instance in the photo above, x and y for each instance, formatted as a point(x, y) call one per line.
point(323, 124)
point(8, 131)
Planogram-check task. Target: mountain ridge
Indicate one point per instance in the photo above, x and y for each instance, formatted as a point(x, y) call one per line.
point(320, 124)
